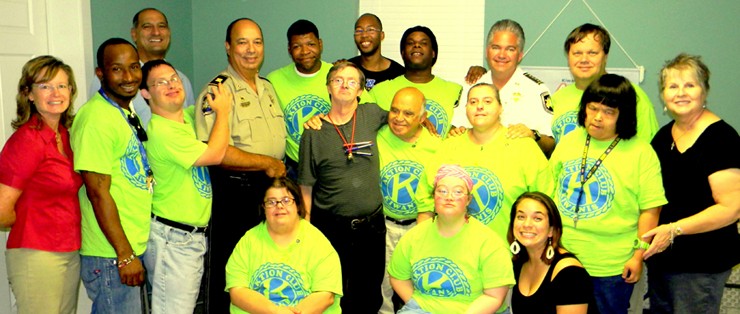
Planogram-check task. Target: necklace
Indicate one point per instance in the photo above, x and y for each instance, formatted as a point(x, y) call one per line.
point(346, 145)
point(584, 176)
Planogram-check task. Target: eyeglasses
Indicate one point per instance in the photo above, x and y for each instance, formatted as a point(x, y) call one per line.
point(272, 203)
point(340, 82)
point(456, 193)
point(140, 132)
point(47, 88)
point(167, 83)
point(369, 31)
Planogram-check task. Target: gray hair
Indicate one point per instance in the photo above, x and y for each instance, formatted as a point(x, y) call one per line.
point(509, 26)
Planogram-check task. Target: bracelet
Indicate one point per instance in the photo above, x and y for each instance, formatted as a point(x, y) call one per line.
point(127, 261)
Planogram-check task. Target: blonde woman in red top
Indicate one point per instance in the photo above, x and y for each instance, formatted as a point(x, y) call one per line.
point(38, 192)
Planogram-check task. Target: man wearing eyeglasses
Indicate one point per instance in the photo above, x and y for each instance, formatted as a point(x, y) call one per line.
point(300, 85)
point(116, 200)
point(151, 34)
point(256, 138)
point(181, 204)
point(368, 37)
point(340, 181)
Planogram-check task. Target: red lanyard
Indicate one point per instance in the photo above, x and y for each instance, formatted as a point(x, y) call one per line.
point(350, 145)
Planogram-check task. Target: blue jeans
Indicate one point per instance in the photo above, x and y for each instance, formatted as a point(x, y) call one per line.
point(174, 264)
point(412, 307)
point(103, 285)
point(612, 294)
point(684, 293)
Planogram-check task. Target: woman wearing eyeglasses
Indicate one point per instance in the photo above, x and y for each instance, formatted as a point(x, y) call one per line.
point(284, 264)
point(609, 190)
point(38, 192)
point(451, 263)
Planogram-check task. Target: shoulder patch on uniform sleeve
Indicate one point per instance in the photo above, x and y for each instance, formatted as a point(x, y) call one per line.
point(219, 79)
point(546, 101)
point(531, 77)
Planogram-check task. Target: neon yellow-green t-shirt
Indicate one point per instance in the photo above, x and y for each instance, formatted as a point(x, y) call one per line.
point(628, 181)
point(183, 192)
point(450, 273)
point(285, 275)
point(300, 98)
point(566, 101)
point(401, 166)
point(442, 98)
point(104, 143)
point(501, 170)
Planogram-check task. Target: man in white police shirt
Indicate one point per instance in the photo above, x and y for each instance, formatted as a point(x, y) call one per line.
point(525, 99)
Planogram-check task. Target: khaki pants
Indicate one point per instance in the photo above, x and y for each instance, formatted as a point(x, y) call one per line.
point(44, 282)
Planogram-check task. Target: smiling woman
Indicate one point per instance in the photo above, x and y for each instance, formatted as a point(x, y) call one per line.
point(284, 263)
point(38, 192)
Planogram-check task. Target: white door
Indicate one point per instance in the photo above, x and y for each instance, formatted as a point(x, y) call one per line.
point(30, 28)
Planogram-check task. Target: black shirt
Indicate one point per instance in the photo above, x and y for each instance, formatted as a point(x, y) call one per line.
point(374, 78)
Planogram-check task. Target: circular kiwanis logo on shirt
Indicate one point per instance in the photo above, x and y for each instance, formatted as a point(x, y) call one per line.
point(398, 182)
point(488, 194)
point(299, 110)
point(202, 181)
point(564, 124)
point(598, 192)
point(438, 116)
point(439, 277)
point(132, 166)
point(280, 283)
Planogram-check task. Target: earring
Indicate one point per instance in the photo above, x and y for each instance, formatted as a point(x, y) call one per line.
point(515, 248)
point(550, 250)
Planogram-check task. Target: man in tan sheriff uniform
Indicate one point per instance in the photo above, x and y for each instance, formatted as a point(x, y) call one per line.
point(255, 153)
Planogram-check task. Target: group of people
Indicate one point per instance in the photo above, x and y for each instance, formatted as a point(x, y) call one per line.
point(365, 186)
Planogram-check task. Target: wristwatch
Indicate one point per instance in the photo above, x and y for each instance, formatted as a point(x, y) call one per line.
point(639, 244)
point(537, 135)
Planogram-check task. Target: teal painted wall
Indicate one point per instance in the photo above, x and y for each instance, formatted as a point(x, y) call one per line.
point(652, 32)
point(113, 19)
point(334, 18)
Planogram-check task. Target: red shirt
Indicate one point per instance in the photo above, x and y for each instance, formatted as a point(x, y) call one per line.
point(48, 210)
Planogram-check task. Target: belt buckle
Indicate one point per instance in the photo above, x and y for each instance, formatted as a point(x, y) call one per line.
point(353, 224)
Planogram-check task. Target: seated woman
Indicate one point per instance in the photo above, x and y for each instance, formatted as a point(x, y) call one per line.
point(452, 263)
point(549, 279)
point(609, 190)
point(284, 264)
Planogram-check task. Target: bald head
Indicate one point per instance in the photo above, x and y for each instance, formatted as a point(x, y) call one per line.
point(407, 111)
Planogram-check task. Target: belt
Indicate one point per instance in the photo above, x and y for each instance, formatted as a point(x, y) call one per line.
point(177, 225)
point(400, 222)
point(355, 222)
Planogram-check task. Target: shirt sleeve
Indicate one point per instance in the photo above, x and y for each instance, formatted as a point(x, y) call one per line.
point(176, 145)
point(539, 174)
point(495, 264)
point(424, 192)
point(647, 124)
point(93, 145)
point(306, 168)
point(20, 158)
point(400, 264)
point(238, 272)
point(722, 149)
point(189, 97)
point(651, 191)
point(572, 285)
point(327, 272)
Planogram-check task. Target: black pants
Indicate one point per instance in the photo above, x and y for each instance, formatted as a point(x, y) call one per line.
point(362, 255)
point(236, 200)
